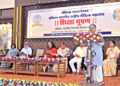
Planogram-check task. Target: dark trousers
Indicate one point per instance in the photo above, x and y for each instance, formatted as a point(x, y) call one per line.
point(82, 64)
point(10, 65)
point(69, 65)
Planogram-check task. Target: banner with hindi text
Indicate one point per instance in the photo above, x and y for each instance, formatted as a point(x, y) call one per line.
point(65, 21)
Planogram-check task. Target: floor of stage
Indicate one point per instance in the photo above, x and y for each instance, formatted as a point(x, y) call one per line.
point(69, 78)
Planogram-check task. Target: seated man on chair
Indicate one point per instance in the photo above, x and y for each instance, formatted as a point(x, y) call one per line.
point(79, 53)
point(26, 51)
point(65, 53)
point(3, 50)
point(13, 52)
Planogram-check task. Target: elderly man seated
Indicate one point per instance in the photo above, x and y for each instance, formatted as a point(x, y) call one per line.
point(26, 52)
point(3, 50)
point(79, 53)
point(65, 53)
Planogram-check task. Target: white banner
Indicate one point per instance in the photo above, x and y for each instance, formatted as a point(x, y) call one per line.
point(64, 21)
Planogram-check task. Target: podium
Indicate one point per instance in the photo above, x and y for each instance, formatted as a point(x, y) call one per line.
point(90, 72)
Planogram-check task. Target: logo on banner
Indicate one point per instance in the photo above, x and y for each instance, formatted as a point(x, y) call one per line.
point(37, 21)
point(116, 14)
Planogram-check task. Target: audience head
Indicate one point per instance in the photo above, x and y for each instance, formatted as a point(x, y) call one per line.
point(112, 44)
point(50, 45)
point(92, 28)
point(62, 44)
point(13, 46)
point(26, 44)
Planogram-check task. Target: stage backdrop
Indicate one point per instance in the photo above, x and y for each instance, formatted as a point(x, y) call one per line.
point(64, 21)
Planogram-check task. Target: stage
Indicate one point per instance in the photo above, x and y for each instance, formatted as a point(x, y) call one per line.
point(68, 79)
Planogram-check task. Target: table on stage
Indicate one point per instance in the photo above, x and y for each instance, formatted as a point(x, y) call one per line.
point(26, 67)
point(4, 67)
point(36, 68)
point(60, 69)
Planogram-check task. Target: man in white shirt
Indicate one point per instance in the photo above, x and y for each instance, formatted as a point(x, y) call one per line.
point(79, 53)
point(26, 51)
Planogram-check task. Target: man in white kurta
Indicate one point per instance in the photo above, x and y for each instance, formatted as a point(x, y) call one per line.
point(98, 58)
point(79, 53)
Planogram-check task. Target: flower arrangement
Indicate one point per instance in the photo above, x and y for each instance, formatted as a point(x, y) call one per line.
point(26, 59)
point(88, 78)
point(17, 82)
point(53, 60)
point(87, 62)
point(87, 37)
point(7, 58)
